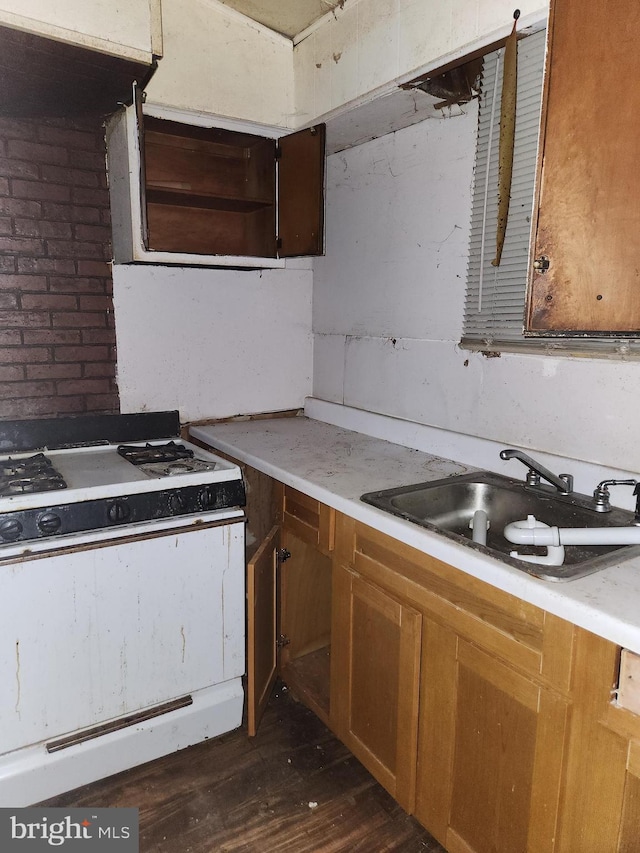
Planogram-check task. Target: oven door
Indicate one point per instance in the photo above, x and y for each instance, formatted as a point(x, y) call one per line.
point(97, 630)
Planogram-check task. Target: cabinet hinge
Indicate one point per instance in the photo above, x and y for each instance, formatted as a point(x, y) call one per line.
point(283, 555)
point(278, 242)
point(541, 264)
point(278, 151)
point(282, 640)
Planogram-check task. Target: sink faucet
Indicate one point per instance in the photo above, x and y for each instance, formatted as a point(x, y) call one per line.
point(601, 496)
point(563, 482)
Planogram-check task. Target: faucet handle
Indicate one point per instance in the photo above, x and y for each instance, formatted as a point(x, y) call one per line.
point(568, 479)
point(601, 493)
point(532, 478)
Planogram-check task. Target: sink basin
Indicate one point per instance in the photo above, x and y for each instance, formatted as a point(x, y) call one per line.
point(447, 506)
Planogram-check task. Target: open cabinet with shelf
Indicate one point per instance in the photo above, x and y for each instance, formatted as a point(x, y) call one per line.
point(290, 607)
point(209, 187)
point(208, 195)
point(305, 621)
point(308, 534)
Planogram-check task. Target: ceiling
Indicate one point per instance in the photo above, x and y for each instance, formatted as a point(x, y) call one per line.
point(288, 17)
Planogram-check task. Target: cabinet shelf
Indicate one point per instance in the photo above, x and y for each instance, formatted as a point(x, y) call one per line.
point(185, 197)
point(308, 676)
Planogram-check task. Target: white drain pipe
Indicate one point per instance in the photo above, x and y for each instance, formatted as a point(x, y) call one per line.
point(534, 532)
point(479, 525)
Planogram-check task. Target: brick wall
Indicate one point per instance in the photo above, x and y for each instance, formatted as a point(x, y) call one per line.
point(57, 339)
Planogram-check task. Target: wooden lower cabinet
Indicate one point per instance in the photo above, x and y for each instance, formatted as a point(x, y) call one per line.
point(601, 809)
point(494, 722)
point(490, 750)
point(629, 837)
point(305, 622)
point(376, 643)
point(289, 606)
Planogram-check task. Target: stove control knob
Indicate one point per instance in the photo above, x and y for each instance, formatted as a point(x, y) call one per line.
point(207, 498)
point(118, 511)
point(177, 504)
point(10, 529)
point(49, 523)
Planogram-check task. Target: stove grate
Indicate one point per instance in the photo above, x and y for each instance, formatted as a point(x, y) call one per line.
point(170, 452)
point(30, 475)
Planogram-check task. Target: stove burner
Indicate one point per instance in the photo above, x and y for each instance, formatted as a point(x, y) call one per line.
point(170, 452)
point(26, 476)
point(178, 468)
point(31, 466)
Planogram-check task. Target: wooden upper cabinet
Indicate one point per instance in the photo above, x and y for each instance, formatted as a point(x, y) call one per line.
point(213, 191)
point(588, 210)
point(202, 195)
point(208, 191)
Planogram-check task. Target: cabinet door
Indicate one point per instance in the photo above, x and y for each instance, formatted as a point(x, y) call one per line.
point(629, 840)
point(261, 627)
point(588, 217)
point(601, 812)
point(301, 193)
point(490, 752)
point(375, 681)
point(138, 101)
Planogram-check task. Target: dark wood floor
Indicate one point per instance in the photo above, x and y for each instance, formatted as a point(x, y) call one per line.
point(292, 788)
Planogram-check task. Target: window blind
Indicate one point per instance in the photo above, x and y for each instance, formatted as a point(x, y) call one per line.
point(495, 296)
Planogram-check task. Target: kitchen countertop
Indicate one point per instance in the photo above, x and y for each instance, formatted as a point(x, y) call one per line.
point(336, 466)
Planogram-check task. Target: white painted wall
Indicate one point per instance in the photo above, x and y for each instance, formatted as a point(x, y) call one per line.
point(217, 61)
point(361, 47)
point(388, 301)
point(213, 343)
point(123, 27)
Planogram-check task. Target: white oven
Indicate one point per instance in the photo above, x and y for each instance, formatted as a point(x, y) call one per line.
point(121, 613)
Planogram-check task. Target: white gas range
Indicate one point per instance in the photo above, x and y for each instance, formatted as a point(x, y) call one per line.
point(121, 607)
point(47, 497)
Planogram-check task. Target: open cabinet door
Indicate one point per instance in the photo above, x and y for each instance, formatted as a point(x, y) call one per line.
point(261, 627)
point(138, 100)
point(301, 192)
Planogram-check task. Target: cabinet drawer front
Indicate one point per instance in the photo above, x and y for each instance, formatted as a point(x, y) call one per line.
point(517, 632)
point(309, 520)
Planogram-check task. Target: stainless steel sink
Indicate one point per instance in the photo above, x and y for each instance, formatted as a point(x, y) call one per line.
point(447, 506)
